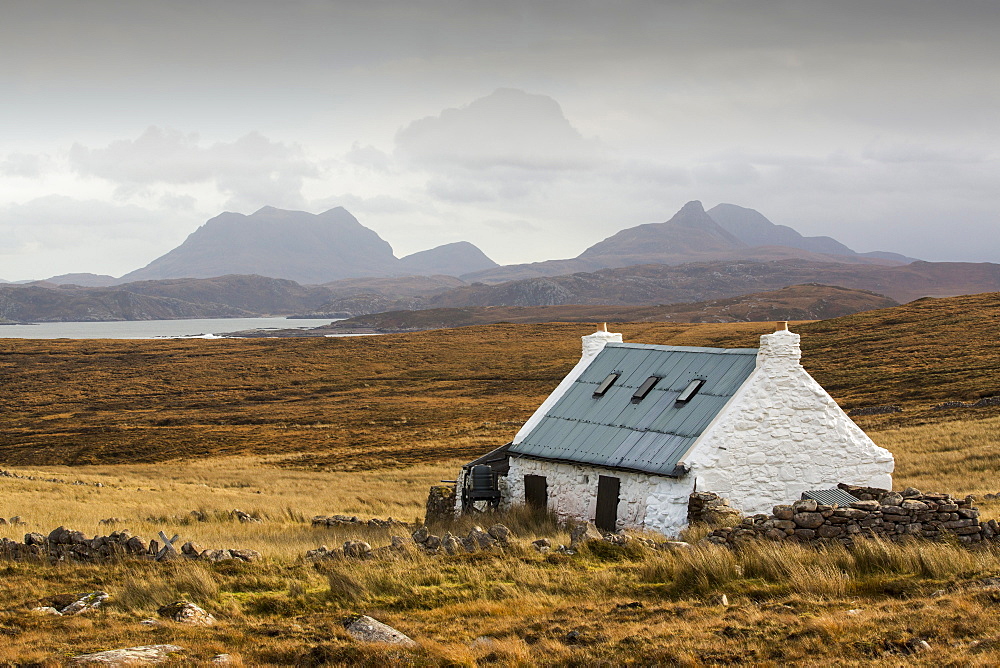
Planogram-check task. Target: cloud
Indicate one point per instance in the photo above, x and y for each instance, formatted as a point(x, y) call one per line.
point(25, 165)
point(56, 234)
point(370, 157)
point(507, 129)
point(252, 171)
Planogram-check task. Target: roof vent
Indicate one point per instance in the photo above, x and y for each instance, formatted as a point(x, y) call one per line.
point(831, 497)
point(644, 389)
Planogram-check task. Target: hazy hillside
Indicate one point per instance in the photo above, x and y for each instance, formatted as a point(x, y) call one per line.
point(257, 294)
point(663, 284)
point(34, 303)
point(799, 302)
point(85, 280)
point(453, 259)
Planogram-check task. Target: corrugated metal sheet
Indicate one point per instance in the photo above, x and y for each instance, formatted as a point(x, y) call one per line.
point(652, 435)
point(831, 497)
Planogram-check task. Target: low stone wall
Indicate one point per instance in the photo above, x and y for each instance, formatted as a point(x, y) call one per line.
point(880, 513)
point(62, 544)
point(711, 509)
point(349, 520)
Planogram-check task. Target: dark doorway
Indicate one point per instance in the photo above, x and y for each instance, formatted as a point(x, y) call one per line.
point(536, 492)
point(607, 503)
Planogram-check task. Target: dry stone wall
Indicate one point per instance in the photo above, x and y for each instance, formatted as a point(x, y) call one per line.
point(880, 513)
point(63, 544)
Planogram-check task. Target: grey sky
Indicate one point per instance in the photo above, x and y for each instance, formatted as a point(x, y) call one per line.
point(531, 129)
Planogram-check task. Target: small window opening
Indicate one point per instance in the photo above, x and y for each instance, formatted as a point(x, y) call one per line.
point(644, 389)
point(690, 391)
point(606, 384)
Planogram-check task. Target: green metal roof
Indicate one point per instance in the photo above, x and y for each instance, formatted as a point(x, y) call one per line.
point(650, 436)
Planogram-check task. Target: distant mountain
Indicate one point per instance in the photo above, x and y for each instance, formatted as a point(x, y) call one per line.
point(693, 235)
point(296, 245)
point(85, 280)
point(450, 259)
point(303, 247)
point(689, 235)
point(753, 229)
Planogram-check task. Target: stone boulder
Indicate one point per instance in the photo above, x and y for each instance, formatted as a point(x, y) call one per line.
point(185, 612)
point(130, 655)
point(366, 629)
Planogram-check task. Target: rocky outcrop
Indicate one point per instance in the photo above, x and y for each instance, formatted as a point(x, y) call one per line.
point(130, 655)
point(880, 513)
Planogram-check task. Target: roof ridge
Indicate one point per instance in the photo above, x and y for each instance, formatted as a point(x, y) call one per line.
point(684, 349)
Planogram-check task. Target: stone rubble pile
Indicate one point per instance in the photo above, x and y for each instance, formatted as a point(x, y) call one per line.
point(345, 520)
point(80, 604)
point(711, 509)
point(497, 536)
point(880, 513)
point(585, 532)
point(11, 474)
point(875, 410)
point(15, 521)
point(244, 518)
point(63, 544)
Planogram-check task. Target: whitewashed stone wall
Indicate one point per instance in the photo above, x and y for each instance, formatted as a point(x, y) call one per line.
point(645, 501)
point(781, 435)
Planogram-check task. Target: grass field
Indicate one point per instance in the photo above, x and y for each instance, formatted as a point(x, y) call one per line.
point(292, 428)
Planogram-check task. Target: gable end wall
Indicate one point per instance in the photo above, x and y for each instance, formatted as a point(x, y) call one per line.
point(781, 435)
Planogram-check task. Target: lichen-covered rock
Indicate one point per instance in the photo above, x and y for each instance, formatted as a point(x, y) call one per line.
point(185, 612)
point(130, 655)
point(367, 629)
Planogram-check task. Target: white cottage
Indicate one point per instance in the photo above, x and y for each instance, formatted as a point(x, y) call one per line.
point(634, 429)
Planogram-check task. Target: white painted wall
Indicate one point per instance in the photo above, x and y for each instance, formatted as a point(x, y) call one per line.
point(646, 501)
point(781, 435)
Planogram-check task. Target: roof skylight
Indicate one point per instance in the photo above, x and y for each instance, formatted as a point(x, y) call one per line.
point(690, 390)
point(644, 389)
point(606, 384)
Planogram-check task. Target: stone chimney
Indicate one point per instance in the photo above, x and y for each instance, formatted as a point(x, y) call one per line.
point(781, 348)
point(594, 343)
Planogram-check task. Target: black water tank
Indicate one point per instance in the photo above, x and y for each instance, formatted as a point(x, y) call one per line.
point(482, 478)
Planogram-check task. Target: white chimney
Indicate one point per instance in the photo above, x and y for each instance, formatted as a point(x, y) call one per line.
point(780, 348)
point(594, 343)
